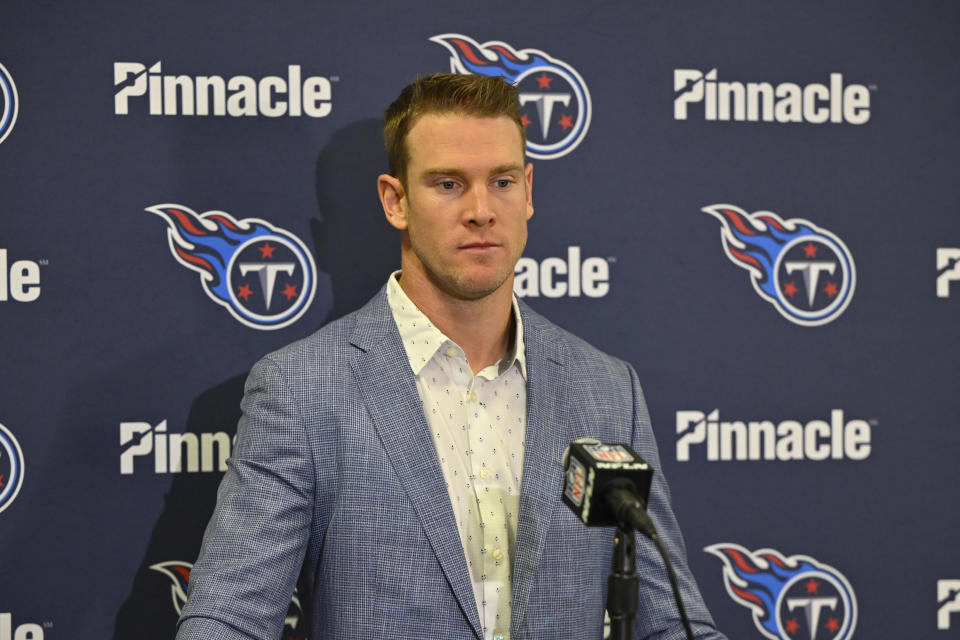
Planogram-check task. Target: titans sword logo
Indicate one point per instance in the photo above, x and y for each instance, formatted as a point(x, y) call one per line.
point(179, 574)
point(8, 103)
point(803, 270)
point(555, 99)
point(11, 467)
point(791, 598)
point(262, 274)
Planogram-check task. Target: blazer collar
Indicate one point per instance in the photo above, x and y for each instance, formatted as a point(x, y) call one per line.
point(546, 439)
point(390, 394)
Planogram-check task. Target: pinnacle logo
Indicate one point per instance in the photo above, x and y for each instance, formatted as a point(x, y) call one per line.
point(11, 469)
point(25, 631)
point(9, 103)
point(948, 269)
point(555, 100)
point(814, 103)
point(173, 95)
point(948, 602)
point(556, 277)
point(262, 274)
point(20, 281)
point(803, 270)
point(790, 598)
point(739, 440)
point(173, 452)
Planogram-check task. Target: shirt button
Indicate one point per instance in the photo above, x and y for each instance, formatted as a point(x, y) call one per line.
point(451, 352)
point(473, 396)
point(484, 474)
point(497, 554)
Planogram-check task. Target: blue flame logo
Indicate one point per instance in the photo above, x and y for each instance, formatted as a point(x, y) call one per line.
point(555, 100)
point(262, 274)
point(803, 270)
point(8, 103)
point(790, 598)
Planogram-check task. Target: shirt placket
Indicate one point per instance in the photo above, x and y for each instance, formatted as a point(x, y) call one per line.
point(486, 475)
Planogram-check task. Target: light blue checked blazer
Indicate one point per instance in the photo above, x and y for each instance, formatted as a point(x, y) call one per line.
point(335, 475)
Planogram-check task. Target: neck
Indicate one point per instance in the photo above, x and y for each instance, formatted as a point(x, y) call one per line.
point(481, 327)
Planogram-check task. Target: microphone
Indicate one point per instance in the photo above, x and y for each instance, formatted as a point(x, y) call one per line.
point(607, 485)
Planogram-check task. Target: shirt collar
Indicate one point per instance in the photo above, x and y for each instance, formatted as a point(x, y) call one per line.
point(422, 340)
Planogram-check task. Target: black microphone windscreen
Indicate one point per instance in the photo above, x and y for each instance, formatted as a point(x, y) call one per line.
point(592, 469)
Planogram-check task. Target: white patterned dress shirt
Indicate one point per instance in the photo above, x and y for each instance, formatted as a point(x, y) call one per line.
point(478, 424)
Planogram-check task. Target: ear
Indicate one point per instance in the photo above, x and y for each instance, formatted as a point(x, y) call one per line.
point(528, 179)
point(393, 199)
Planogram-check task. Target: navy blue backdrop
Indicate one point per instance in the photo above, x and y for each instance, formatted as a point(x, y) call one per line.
point(754, 203)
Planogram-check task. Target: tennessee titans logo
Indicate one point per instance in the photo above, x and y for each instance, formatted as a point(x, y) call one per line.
point(554, 98)
point(262, 274)
point(795, 597)
point(8, 103)
point(11, 467)
point(179, 574)
point(803, 270)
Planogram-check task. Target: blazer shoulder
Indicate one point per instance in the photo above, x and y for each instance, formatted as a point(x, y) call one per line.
point(579, 355)
point(332, 344)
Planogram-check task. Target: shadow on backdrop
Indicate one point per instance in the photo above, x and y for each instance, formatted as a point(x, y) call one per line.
point(358, 249)
point(354, 242)
point(150, 613)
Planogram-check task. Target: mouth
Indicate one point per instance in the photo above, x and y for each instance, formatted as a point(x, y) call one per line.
point(479, 245)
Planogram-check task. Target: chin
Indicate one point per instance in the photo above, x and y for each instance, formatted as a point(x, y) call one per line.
point(476, 288)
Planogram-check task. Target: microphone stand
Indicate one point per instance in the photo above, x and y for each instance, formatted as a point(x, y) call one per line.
point(623, 584)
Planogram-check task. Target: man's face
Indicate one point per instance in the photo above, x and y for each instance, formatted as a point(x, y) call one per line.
point(466, 203)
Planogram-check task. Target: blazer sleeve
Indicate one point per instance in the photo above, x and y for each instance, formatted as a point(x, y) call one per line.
point(254, 545)
point(657, 615)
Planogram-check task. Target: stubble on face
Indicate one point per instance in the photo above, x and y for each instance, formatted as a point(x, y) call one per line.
point(467, 202)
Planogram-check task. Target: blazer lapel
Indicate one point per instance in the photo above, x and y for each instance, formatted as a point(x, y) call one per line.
point(391, 397)
point(546, 439)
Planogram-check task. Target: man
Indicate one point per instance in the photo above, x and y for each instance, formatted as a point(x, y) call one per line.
point(405, 461)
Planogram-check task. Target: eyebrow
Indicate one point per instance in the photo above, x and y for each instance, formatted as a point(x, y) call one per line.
point(504, 168)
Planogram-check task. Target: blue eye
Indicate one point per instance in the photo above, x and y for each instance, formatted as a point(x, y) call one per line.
point(448, 185)
point(503, 183)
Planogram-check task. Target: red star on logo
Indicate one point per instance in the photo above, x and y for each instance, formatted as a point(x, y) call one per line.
point(289, 291)
point(1, 482)
point(832, 625)
point(792, 625)
point(830, 289)
point(810, 250)
point(266, 251)
point(790, 289)
point(525, 121)
point(544, 81)
point(244, 292)
point(566, 122)
point(812, 585)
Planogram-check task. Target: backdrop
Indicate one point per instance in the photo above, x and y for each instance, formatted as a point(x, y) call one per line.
point(754, 203)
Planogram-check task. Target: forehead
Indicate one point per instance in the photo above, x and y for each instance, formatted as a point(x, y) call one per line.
point(452, 139)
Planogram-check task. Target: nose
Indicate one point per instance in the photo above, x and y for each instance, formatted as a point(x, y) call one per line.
point(479, 210)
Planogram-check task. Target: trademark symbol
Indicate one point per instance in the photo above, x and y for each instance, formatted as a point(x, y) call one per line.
point(872, 87)
point(874, 422)
point(43, 262)
point(48, 624)
point(334, 78)
point(612, 259)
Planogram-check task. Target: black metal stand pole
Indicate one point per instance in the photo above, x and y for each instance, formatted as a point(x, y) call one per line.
point(623, 585)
